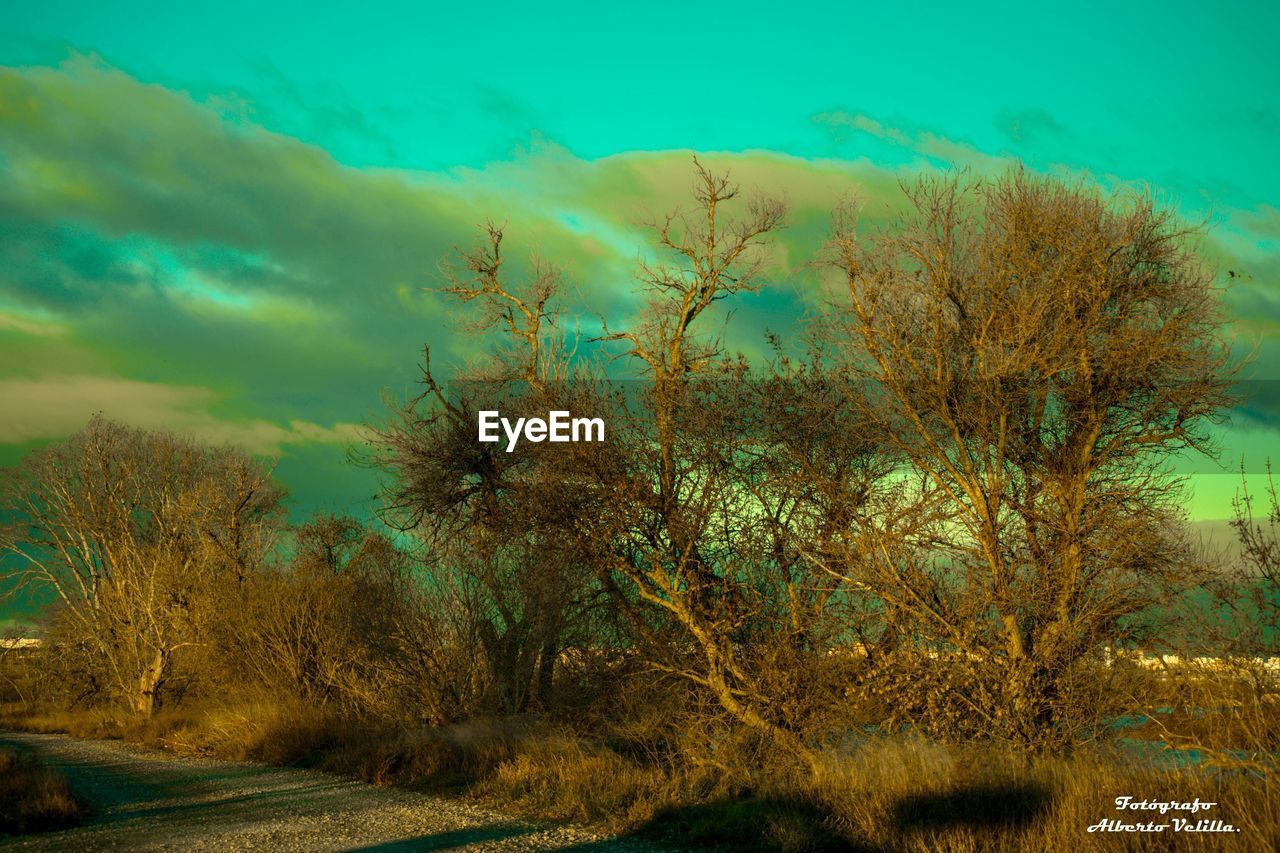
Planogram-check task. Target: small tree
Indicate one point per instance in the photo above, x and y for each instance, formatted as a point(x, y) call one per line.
point(322, 627)
point(134, 531)
point(1255, 614)
point(494, 523)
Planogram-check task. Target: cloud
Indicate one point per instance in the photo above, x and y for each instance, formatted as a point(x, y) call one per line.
point(908, 137)
point(165, 256)
point(1264, 222)
point(1029, 126)
point(166, 232)
point(53, 407)
point(15, 321)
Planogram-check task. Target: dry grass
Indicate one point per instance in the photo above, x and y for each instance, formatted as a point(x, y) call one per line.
point(566, 778)
point(101, 724)
point(712, 787)
point(914, 795)
point(886, 795)
point(255, 729)
point(33, 798)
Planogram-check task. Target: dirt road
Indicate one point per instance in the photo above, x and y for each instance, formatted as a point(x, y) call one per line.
point(147, 800)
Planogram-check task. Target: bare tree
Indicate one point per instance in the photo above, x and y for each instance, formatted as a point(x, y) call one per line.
point(493, 522)
point(1034, 351)
point(1255, 604)
point(322, 626)
point(719, 481)
point(133, 530)
point(1225, 675)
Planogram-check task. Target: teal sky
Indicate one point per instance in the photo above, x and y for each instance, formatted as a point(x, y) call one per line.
point(220, 218)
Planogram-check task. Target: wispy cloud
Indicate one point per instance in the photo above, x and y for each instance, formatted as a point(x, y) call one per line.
point(51, 407)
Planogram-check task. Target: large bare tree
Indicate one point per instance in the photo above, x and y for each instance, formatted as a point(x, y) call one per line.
point(135, 531)
point(1035, 351)
point(726, 469)
point(493, 522)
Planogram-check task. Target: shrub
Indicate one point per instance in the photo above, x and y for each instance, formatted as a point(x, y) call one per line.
point(33, 798)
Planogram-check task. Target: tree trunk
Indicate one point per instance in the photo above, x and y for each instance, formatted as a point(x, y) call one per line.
point(544, 678)
point(789, 741)
point(147, 700)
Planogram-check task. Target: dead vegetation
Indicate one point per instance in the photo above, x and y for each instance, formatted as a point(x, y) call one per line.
point(882, 590)
point(34, 798)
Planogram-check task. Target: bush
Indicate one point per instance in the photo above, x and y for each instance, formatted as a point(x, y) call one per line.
point(33, 798)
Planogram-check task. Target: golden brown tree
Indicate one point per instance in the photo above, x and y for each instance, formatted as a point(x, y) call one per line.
point(722, 469)
point(493, 522)
point(1035, 351)
point(135, 531)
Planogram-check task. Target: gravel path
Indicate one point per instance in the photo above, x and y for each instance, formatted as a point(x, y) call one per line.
point(147, 800)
